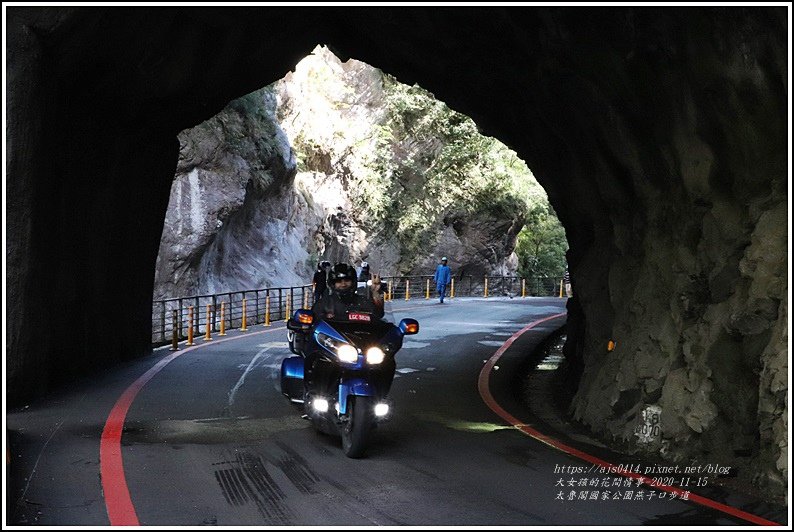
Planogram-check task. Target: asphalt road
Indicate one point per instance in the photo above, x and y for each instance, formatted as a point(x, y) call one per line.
point(209, 440)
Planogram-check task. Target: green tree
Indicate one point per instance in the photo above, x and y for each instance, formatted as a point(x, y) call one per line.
point(541, 243)
point(443, 163)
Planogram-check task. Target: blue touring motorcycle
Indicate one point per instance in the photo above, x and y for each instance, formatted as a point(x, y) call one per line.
point(343, 372)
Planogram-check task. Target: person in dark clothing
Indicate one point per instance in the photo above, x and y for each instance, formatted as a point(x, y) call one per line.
point(363, 275)
point(320, 281)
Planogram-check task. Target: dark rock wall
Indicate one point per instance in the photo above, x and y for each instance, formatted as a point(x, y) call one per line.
point(659, 134)
point(96, 99)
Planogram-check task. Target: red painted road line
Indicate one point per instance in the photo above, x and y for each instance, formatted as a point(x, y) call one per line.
point(121, 511)
point(485, 393)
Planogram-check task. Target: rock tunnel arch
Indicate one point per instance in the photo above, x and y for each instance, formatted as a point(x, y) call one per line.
point(658, 134)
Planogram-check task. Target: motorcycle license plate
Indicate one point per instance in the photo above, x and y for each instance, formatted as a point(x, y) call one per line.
point(356, 316)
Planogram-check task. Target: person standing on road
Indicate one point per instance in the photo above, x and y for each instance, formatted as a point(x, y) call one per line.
point(442, 278)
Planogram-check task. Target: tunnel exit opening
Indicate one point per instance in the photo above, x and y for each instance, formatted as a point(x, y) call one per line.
point(339, 161)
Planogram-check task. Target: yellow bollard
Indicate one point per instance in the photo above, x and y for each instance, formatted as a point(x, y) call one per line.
point(174, 331)
point(523, 288)
point(190, 326)
point(243, 325)
point(267, 311)
point(391, 294)
point(486, 287)
point(209, 323)
point(427, 290)
point(452, 290)
point(407, 290)
point(286, 314)
point(560, 287)
point(223, 319)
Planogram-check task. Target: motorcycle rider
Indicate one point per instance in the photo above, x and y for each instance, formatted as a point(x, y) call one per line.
point(343, 297)
point(335, 305)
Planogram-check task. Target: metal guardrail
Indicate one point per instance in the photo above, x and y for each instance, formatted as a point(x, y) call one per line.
point(225, 310)
point(471, 286)
point(271, 304)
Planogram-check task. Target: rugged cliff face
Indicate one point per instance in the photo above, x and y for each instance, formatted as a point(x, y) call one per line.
point(660, 135)
point(235, 171)
point(321, 165)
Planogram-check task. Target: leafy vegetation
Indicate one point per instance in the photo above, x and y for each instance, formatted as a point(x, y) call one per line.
point(442, 165)
point(424, 165)
point(541, 244)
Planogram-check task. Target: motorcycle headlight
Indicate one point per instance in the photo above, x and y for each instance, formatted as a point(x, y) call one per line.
point(347, 353)
point(343, 351)
point(375, 355)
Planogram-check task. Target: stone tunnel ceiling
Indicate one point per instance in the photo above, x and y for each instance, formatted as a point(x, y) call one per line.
point(660, 135)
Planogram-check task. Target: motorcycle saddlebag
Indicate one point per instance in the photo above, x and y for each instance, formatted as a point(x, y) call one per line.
point(292, 379)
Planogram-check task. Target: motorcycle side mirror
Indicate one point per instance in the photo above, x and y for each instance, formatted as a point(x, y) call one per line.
point(301, 320)
point(409, 326)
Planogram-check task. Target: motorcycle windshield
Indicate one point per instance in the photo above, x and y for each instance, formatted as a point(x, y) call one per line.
point(363, 289)
point(362, 329)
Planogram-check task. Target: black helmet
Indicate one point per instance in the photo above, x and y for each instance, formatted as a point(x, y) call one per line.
point(341, 271)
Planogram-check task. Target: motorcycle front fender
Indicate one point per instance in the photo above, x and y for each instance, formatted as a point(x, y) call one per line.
point(355, 386)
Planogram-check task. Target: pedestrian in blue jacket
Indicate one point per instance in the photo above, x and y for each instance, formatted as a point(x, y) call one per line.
point(442, 278)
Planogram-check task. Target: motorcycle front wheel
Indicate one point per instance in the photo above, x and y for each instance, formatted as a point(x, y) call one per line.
point(359, 425)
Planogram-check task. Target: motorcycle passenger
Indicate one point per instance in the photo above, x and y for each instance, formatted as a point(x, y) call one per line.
point(364, 275)
point(320, 280)
point(363, 278)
